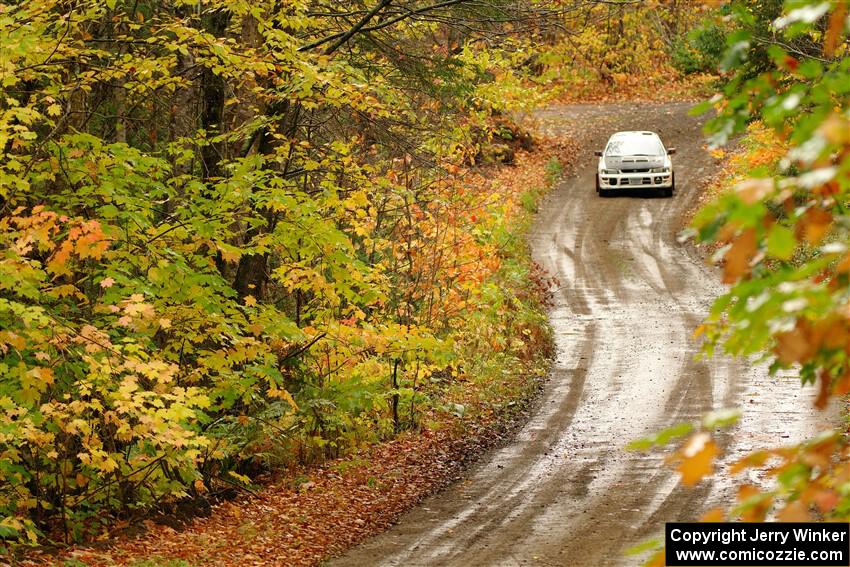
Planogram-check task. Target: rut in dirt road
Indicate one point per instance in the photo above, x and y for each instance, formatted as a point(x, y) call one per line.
point(565, 492)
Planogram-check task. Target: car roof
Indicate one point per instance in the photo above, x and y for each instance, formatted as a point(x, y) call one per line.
point(634, 143)
point(634, 134)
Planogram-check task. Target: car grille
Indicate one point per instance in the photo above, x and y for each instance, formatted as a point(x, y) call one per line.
point(633, 181)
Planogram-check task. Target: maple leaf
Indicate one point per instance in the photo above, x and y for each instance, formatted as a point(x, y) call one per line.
point(823, 391)
point(738, 257)
point(814, 224)
point(755, 503)
point(825, 500)
point(837, 23)
point(713, 515)
point(754, 190)
point(796, 345)
point(794, 512)
point(697, 458)
point(58, 263)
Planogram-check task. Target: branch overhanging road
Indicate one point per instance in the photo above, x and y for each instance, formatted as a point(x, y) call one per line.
point(564, 491)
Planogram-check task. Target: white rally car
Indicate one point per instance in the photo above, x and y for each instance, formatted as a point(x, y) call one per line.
point(635, 160)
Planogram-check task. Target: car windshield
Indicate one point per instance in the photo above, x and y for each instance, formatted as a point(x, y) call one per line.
point(634, 146)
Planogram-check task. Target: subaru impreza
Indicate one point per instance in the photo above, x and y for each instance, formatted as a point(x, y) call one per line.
point(635, 161)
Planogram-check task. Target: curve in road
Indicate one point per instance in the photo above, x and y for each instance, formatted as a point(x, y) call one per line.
point(565, 492)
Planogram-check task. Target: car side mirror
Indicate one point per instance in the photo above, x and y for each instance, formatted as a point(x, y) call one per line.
point(671, 151)
point(598, 153)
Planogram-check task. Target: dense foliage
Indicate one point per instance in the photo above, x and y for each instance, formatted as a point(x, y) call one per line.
point(242, 234)
point(234, 234)
point(782, 238)
point(634, 49)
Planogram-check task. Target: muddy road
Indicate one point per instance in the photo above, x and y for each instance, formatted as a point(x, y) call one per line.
point(565, 492)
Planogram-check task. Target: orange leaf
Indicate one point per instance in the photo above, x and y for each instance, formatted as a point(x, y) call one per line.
point(796, 345)
point(757, 509)
point(756, 459)
point(754, 189)
point(844, 265)
point(836, 27)
point(834, 332)
point(46, 374)
point(826, 500)
point(842, 386)
point(823, 391)
point(657, 560)
point(713, 515)
point(737, 259)
point(697, 458)
point(58, 262)
point(795, 512)
point(814, 224)
point(746, 491)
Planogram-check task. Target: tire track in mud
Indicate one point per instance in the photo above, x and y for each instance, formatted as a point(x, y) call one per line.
point(564, 492)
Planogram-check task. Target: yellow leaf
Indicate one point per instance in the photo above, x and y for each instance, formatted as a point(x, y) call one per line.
point(282, 394)
point(46, 375)
point(756, 459)
point(108, 465)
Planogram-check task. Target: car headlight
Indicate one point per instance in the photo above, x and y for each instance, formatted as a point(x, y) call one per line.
point(660, 170)
point(610, 171)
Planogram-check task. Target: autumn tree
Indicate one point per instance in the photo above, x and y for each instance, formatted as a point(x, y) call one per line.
point(235, 233)
point(783, 240)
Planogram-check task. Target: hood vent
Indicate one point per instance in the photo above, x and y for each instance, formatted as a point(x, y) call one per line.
point(632, 163)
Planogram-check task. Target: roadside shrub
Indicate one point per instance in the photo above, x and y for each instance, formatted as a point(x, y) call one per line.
point(228, 245)
point(701, 50)
point(635, 48)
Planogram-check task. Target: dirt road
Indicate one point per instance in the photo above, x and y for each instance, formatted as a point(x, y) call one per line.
point(565, 492)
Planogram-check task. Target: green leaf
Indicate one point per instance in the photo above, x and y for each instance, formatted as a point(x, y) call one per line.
point(781, 242)
point(661, 438)
point(644, 546)
point(721, 418)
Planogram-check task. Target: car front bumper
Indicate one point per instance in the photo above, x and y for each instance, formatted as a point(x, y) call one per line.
point(636, 180)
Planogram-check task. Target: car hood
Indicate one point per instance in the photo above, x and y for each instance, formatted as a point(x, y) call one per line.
point(627, 163)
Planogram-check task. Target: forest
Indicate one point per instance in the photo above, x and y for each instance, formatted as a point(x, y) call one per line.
point(243, 238)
